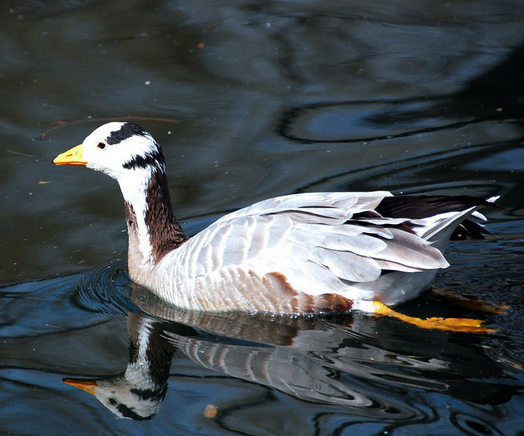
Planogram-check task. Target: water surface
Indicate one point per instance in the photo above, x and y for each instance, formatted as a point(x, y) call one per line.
point(251, 101)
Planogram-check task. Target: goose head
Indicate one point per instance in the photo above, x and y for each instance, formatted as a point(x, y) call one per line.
point(116, 149)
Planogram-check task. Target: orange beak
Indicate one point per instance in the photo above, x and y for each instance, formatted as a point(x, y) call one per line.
point(85, 385)
point(71, 157)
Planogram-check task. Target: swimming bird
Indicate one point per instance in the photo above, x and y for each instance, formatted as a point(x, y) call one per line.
point(311, 252)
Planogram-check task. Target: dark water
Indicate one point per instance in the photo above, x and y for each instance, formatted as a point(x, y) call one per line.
point(252, 100)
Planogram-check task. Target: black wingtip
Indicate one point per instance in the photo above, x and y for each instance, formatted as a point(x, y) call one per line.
point(423, 206)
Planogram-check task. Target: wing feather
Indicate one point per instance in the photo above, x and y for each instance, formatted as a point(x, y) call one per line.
point(412, 251)
point(365, 245)
point(347, 265)
point(291, 234)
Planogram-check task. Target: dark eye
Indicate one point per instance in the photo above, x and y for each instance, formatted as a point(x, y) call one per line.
point(112, 401)
point(101, 145)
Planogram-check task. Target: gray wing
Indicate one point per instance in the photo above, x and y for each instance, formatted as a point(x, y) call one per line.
point(318, 241)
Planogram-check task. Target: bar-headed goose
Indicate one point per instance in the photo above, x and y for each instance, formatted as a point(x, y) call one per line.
point(302, 253)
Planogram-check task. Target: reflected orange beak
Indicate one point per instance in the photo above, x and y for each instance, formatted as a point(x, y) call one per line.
point(71, 157)
point(85, 385)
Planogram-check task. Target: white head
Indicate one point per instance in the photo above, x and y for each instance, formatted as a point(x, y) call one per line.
point(115, 149)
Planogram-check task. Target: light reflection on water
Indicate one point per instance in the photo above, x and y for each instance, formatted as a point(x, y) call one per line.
point(269, 99)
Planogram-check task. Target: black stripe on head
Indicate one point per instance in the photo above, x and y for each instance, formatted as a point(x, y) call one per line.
point(153, 159)
point(128, 412)
point(126, 131)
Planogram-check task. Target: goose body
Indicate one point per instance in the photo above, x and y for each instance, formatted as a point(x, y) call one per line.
point(302, 253)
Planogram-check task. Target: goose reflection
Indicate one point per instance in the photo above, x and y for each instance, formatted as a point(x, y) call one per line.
point(344, 361)
point(138, 392)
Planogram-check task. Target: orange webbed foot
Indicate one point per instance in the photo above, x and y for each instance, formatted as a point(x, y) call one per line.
point(464, 325)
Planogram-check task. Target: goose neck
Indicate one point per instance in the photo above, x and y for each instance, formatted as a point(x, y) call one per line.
point(153, 230)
